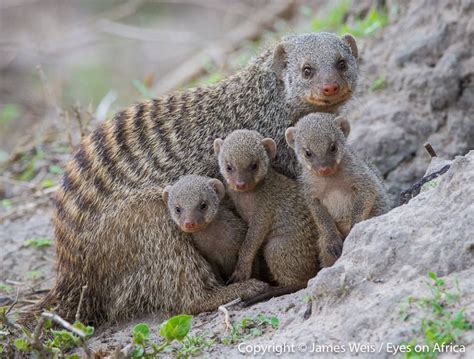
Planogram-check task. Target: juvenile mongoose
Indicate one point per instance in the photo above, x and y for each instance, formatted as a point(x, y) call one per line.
point(341, 188)
point(276, 215)
point(112, 228)
point(218, 233)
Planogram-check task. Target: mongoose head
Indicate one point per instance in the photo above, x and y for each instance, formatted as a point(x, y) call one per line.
point(319, 141)
point(193, 201)
point(244, 157)
point(319, 70)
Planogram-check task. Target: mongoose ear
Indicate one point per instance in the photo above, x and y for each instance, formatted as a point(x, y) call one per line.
point(290, 136)
point(218, 187)
point(351, 42)
point(344, 125)
point(280, 58)
point(166, 193)
point(217, 145)
point(270, 147)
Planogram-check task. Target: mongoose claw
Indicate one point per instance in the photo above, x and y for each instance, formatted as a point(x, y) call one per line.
point(335, 249)
point(240, 275)
point(253, 287)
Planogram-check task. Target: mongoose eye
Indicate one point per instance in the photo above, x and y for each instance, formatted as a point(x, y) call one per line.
point(308, 153)
point(203, 205)
point(178, 210)
point(332, 147)
point(307, 72)
point(254, 166)
point(229, 168)
point(342, 65)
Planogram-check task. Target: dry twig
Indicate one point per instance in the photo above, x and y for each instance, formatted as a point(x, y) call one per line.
point(81, 298)
point(223, 309)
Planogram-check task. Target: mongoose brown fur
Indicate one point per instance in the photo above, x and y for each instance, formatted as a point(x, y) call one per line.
point(113, 232)
point(270, 203)
point(341, 188)
point(194, 205)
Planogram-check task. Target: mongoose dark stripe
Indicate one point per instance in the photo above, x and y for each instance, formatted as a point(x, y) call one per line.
point(142, 123)
point(107, 161)
point(162, 138)
point(121, 136)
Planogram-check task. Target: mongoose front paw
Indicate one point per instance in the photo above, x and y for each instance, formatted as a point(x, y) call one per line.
point(253, 287)
point(240, 274)
point(332, 251)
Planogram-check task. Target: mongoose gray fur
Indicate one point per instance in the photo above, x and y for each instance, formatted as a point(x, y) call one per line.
point(194, 205)
point(341, 188)
point(270, 203)
point(113, 232)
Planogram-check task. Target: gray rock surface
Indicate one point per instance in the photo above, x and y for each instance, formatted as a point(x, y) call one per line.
point(426, 56)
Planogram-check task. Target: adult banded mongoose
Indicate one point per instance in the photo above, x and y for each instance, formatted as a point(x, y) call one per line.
point(194, 205)
point(341, 188)
point(113, 232)
point(271, 205)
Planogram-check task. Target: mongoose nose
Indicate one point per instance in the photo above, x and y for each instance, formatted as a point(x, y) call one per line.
point(331, 89)
point(324, 171)
point(189, 225)
point(240, 185)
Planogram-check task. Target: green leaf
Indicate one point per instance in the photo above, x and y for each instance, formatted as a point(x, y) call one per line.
point(140, 86)
point(22, 344)
point(176, 327)
point(55, 170)
point(7, 288)
point(142, 329)
point(4, 156)
point(275, 322)
point(47, 183)
point(35, 274)
point(39, 242)
point(6, 204)
point(432, 275)
point(9, 113)
point(379, 83)
point(138, 352)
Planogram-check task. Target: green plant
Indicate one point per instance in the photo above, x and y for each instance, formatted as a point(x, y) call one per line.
point(175, 328)
point(6, 204)
point(195, 345)
point(379, 83)
point(6, 288)
point(45, 341)
point(372, 22)
point(47, 183)
point(333, 19)
point(39, 243)
point(141, 87)
point(34, 274)
point(55, 170)
point(250, 327)
point(441, 321)
point(336, 20)
point(9, 113)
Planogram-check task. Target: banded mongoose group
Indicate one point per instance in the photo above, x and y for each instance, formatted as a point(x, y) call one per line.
point(115, 233)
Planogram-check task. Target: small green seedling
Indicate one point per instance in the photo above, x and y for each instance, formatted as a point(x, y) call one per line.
point(379, 83)
point(39, 243)
point(441, 319)
point(250, 327)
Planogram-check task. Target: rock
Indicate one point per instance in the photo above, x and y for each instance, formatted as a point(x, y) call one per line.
point(384, 262)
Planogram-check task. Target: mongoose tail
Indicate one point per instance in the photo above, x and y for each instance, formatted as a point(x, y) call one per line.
point(272, 293)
